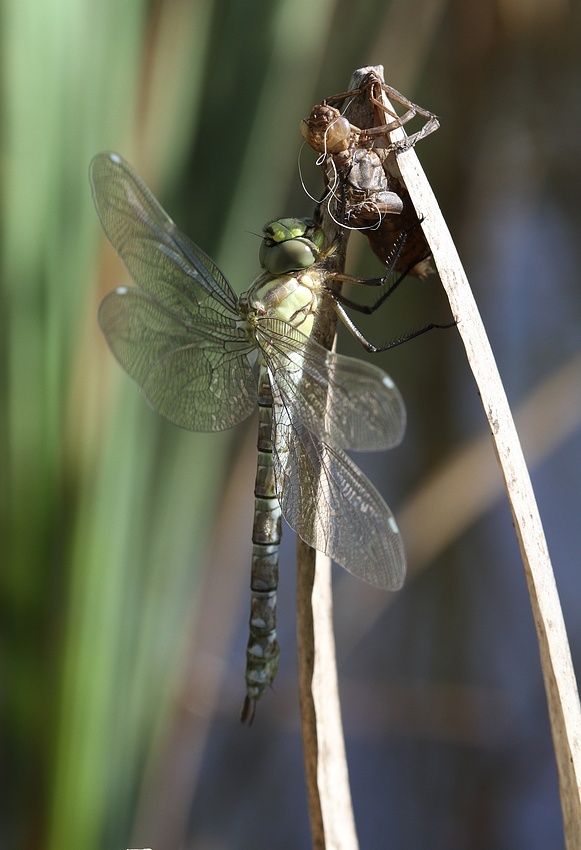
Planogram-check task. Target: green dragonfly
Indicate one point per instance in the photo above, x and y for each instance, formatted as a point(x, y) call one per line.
point(205, 358)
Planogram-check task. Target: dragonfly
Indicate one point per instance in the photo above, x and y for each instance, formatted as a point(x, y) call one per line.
point(360, 173)
point(205, 358)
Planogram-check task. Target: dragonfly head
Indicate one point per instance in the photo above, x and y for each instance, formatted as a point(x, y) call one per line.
point(326, 130)
point(290, 244)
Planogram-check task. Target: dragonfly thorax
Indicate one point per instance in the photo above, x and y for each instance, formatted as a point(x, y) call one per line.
point(293, 298)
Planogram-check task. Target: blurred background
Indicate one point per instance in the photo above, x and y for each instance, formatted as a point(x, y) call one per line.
point(125, 543)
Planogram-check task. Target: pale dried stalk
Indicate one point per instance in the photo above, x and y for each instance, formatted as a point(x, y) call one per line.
point(328, 792)
point(558, 674)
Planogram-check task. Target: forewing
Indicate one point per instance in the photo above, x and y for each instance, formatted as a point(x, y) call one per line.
point(331, 505)
point(191, 374)
point(160, 259)
point(345, 402)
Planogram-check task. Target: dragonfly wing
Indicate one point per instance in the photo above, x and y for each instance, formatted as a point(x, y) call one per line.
point(346, 402)
point(160, 259)
point(331, 505)
point(192, 374)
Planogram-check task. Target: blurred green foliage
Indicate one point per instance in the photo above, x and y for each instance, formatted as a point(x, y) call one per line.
point(106, 511)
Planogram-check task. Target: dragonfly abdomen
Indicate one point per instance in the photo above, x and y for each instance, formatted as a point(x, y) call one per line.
point(262, 651)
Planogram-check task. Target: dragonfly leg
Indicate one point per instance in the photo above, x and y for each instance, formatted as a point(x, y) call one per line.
point(340, 302)
point(412, 109)
point(431, 125)
point(376, 349)
point(368, 309)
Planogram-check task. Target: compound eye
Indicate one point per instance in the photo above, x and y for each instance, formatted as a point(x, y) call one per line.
point(337, 135)
point(292, 255)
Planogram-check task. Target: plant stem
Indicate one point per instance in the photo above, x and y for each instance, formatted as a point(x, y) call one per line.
point(559, 678)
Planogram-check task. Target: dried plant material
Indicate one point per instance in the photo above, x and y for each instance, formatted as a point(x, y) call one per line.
point(559, 678)
point(359, 188)
point(362, 184)
point(560, 685)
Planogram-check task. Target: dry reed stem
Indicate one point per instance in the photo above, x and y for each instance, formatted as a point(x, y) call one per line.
point(328, 792)
point(558, 674)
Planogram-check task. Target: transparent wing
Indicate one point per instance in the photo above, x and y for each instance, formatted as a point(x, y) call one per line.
point(161, 259)
point(333, 507)
point(186, 372)
point(366, 411)
point(178, 335)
